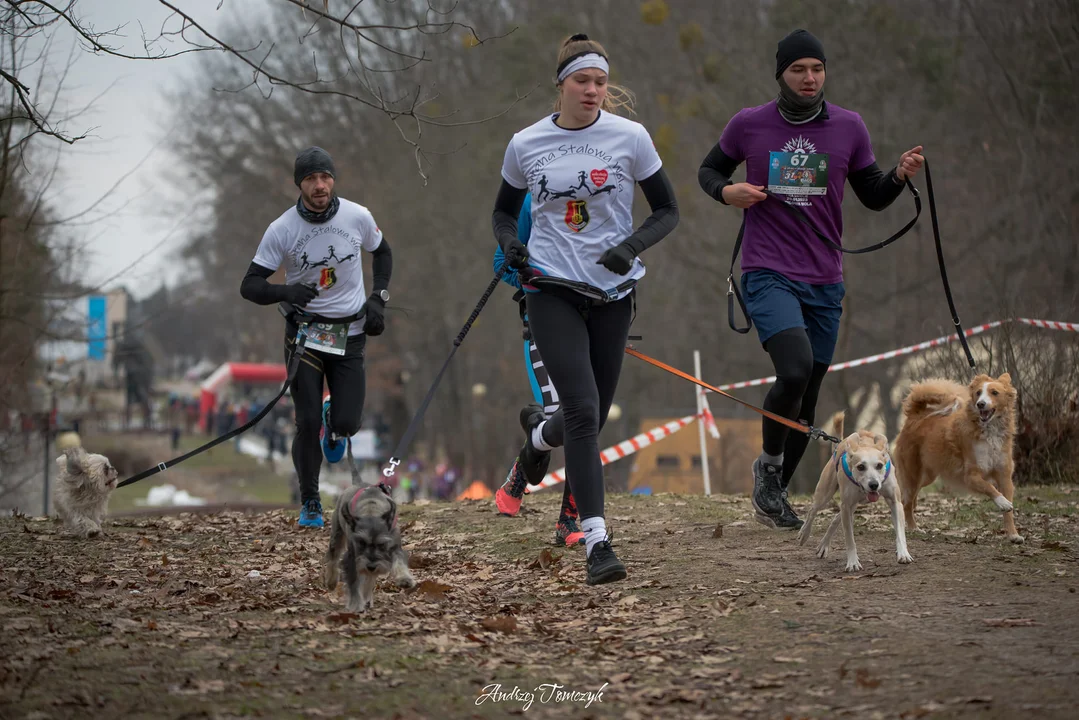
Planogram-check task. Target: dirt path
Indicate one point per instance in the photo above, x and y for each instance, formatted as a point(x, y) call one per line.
point(165, 618)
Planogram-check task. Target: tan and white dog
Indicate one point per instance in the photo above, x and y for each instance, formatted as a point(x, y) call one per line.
point(861, 470)
point(963, 435)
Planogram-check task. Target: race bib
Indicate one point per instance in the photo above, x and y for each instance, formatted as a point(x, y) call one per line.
point(326, 337)
point(798, 173)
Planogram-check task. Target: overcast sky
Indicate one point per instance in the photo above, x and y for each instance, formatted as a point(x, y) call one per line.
point(129, 120)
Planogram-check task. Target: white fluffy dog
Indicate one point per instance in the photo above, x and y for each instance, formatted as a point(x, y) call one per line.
point(862, 471)
point(83, 489)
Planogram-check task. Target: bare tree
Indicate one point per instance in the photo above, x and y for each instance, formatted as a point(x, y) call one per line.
point(381, 44)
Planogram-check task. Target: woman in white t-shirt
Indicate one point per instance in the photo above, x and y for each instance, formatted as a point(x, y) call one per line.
point(581, 264)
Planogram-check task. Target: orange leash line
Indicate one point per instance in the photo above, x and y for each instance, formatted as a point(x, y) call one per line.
point(807, 429)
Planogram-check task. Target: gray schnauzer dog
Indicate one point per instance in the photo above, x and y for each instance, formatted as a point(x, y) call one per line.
point(364, 529)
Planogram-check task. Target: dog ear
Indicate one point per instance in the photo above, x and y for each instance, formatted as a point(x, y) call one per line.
point(76, 461)
point(390, 516)
point(345, 503)
point(880, 442)
point(980, 380)
point(1006, 378)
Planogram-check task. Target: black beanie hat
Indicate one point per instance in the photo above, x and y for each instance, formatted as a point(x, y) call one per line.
point(312, 160)
point(799, 44)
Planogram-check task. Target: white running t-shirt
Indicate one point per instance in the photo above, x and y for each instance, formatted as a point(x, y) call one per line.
point(581, 182)
point(327, 254)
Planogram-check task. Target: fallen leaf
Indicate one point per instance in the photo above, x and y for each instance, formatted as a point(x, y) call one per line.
point(342, 618)
point(198, 687)
point(766, 683)
point(863, 678)
point(432, 589)
point(1009, 622)
point(629, 600)
point(502, 623)
point(783, 659)
point(545, 560)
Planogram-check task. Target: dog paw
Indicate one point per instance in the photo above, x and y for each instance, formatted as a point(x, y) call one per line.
point(904, 557)
point(822, 551)
point(1017, 539)
point(1002, 503)
point(405, 582)
point(853, 565)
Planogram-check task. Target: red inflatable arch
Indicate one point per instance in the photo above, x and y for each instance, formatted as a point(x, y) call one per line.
point(252, 373)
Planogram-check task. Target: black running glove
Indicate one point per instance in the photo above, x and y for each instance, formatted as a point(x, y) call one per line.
point(299, 294)
point(618, 259)
point(517, 254)
point(375, 323)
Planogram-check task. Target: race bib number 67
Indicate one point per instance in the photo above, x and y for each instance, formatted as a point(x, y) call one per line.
point(798, 173)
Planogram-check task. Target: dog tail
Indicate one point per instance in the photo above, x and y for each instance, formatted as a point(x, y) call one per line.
point(837, 424)
point(933, 397)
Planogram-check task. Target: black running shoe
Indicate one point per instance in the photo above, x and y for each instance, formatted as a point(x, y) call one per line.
point(604, 566)
point(788, 519)
point(767, 492)
point(534, 463)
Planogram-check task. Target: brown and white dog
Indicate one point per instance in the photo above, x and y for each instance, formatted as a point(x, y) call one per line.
point(861, 470)
point(964, 436)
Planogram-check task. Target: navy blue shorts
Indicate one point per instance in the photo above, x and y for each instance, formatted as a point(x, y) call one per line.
point(776, 303)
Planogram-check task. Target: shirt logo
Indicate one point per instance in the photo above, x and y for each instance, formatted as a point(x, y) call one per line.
point(577, 215)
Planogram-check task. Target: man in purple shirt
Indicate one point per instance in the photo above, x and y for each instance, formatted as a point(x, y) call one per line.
point(803, 150)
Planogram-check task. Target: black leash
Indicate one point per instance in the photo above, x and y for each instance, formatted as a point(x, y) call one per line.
point(732, 287)
point(414, 425)
point(943, 271)
point(293, 366)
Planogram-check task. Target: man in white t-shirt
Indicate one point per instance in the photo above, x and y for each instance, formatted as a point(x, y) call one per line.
point(319, 242)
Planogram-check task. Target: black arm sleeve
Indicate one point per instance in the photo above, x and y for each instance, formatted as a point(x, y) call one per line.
point(715, 173)
point(382, 265)
point(507, 208)
point(877, 190)
point(659, 193)
point(257, 288)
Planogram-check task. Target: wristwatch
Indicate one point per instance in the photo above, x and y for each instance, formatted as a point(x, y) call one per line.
point(383, 295)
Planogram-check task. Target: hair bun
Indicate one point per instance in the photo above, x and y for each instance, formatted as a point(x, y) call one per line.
point(578, 36)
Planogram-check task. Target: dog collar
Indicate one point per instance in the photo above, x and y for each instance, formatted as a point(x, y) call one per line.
point(841, 460)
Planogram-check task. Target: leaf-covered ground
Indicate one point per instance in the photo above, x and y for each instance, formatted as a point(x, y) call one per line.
point(221, 615)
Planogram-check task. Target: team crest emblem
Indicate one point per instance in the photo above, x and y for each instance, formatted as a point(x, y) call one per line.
point(327, 278)
point(577, 215)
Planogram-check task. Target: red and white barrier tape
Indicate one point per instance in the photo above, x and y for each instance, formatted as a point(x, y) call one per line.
point(628, 447)
point(622, 449)
point(936, 342)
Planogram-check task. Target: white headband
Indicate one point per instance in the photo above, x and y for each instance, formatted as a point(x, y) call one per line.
point(589, 60)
